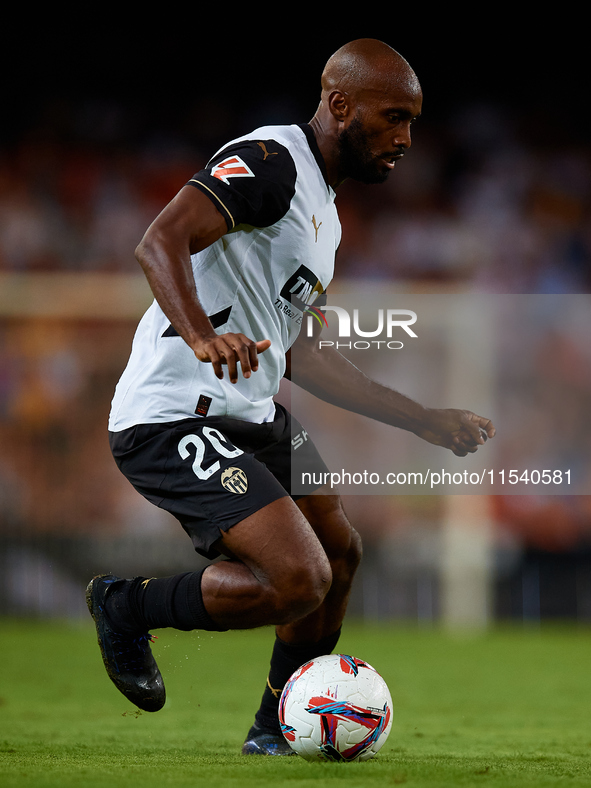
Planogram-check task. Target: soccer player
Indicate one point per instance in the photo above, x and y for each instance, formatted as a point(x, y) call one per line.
point(233, 261)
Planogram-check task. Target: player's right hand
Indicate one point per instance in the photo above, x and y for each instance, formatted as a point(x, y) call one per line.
point(230, 350)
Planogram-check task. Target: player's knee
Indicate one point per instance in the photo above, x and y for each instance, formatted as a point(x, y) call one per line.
point(339, 539)
point(345, 551)
point(303, 590)
point(345, 558)
point(354, 552)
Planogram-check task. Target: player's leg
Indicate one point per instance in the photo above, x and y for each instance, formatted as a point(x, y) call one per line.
point(342, 546)
point(277, 573)
point(317, 632)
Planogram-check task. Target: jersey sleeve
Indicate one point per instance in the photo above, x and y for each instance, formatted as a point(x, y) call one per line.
point(251, 182)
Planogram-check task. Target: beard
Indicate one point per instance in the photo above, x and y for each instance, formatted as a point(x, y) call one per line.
point(355, 159)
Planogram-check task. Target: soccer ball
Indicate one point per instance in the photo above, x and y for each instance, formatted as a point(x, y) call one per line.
point(336, 708)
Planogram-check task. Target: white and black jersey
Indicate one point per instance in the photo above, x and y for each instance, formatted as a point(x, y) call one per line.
point(275, 261)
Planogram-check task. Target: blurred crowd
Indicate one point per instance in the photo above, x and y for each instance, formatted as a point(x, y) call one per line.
point(482, 197)
point(481, 201)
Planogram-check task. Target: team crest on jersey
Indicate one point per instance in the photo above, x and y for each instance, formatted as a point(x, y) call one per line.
point(232, 167)
point(235, 480)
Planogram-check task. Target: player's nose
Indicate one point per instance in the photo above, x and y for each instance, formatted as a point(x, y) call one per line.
point(402, 138)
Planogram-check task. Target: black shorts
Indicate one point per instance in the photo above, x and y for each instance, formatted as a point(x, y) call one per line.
point(213, 472)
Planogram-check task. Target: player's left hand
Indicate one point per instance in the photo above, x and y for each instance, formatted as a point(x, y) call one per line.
point(461, 431)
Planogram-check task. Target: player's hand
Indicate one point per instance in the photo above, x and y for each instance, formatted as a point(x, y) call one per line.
point(461, 431)
point(231, 350)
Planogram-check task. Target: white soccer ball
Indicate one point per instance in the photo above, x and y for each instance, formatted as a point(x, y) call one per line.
point(336, 708)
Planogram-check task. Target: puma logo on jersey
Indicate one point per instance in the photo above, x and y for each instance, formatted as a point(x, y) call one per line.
point(233, 167)
point(316, 226)
point(265, 151)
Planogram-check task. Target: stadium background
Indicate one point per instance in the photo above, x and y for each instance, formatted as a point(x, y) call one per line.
point(103, 121)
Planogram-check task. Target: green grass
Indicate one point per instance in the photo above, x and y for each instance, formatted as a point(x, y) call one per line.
point(510, 708)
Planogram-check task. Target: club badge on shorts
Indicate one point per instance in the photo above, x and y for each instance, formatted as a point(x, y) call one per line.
point(235, 480)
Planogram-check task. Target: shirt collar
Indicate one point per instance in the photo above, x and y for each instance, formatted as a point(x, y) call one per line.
point(312, 142)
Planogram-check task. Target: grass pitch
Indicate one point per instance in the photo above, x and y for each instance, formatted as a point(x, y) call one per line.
point(510, 708)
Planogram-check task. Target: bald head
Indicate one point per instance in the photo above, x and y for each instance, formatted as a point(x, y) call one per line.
point(367, 65)
point(370, 97)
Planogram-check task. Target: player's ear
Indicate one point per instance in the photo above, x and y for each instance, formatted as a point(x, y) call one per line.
point(339, 105)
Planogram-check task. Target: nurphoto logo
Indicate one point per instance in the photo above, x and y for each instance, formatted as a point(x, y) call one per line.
point(388, 321)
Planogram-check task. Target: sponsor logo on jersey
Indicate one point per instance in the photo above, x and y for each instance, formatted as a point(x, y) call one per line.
point(298, 294)
point(299, 439)
point(302, 289)
point(235, 480)
point(232, 167)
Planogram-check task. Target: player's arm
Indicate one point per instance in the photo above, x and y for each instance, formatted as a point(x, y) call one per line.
point(189, 224)
point(330, 376)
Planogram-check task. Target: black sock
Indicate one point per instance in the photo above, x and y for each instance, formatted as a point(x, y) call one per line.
point(155, 603)
point(285, 660)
